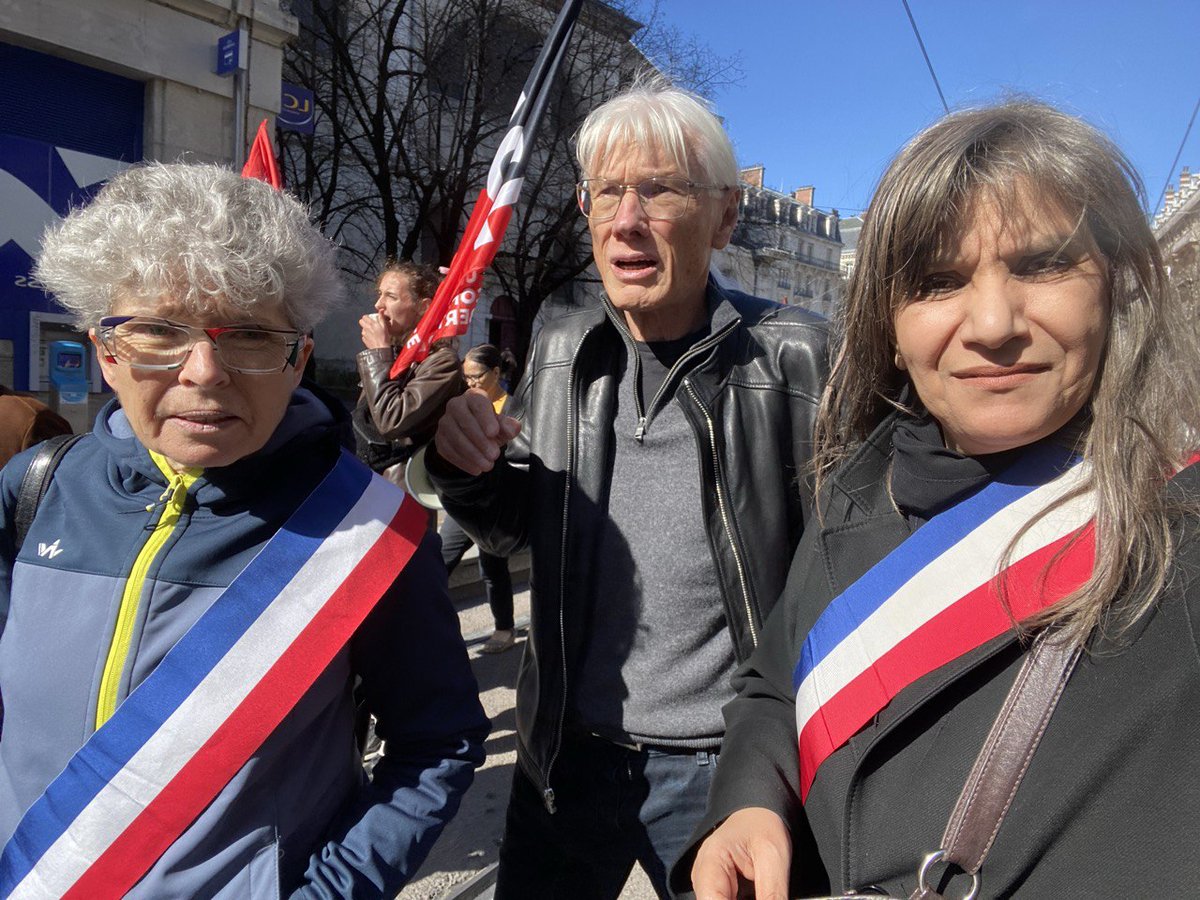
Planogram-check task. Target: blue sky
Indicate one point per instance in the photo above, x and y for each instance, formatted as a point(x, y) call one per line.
point(832, 89)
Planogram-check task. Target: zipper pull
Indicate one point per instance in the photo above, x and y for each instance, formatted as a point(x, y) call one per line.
point(163, 497)
point(548, 800)
point(170, 493)
point(640, 431)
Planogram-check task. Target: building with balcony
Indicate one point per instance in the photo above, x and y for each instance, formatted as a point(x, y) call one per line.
point(850, 228)
point(783, 247)
point(1177, 230)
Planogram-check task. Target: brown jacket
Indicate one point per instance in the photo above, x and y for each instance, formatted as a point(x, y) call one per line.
point(405, 410)
point(24, 422)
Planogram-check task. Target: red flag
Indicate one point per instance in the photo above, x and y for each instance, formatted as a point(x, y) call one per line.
point(261, 163)
point(449, 315)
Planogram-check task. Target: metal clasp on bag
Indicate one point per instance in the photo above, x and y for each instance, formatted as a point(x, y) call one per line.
point(931, 860)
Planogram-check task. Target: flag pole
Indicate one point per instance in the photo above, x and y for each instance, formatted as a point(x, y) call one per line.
point(454, 301)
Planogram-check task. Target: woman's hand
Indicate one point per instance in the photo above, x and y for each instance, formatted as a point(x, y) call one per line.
point(752, 845)
point(374, 332)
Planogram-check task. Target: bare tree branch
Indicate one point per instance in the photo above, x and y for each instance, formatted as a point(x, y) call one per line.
point(413, 96)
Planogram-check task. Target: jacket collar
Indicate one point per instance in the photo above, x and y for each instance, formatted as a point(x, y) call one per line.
point(724, 320)
point(862, 480)
point(311, 416)
point(722, 314)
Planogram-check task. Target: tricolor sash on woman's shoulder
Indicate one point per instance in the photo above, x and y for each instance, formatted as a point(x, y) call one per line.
point(938, 596)
point(183, 733)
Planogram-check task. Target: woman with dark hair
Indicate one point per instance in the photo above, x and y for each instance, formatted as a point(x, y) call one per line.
point(486, 369)
point(1003, 501)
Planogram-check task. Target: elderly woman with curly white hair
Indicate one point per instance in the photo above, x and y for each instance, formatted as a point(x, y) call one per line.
point(206, 577)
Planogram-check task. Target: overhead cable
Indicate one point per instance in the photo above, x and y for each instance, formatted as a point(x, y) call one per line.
point(932, 74)
point(1175, 161)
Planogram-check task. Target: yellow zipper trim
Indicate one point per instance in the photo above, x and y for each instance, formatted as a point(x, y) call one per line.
point(178, 484)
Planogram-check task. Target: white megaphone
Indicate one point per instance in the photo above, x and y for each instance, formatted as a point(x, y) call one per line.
point(417, 483)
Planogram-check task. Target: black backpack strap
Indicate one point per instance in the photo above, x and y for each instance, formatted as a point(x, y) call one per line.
point(36, 482)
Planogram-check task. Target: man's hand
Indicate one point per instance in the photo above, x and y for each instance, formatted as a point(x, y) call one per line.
point(471, 434)
point(374, 332)
point(751, 845)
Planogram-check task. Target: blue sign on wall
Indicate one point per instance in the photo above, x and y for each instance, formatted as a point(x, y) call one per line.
point(231, 52)
point(295, 108)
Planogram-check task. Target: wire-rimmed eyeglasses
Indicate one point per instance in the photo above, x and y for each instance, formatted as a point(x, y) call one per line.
point(663, 197)
point(146, 342)
point(474, 378)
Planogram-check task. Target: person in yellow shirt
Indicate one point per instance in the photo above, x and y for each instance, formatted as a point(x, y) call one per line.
point(485, 368)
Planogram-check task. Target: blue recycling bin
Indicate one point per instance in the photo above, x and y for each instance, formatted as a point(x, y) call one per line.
point(69, 383)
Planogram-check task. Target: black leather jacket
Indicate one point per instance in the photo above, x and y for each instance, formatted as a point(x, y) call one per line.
point(750, 394)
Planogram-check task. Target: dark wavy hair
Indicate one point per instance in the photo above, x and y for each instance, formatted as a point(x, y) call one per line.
point(491, 357)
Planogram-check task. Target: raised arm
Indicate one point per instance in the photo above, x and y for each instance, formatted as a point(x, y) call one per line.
point(479, 462)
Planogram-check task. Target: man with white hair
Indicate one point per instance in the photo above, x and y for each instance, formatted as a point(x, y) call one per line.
point(654, 467)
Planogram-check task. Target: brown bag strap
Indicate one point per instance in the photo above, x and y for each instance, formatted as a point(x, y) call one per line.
point(1002, 762)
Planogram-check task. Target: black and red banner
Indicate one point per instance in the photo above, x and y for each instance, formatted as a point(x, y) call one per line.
point(449, 315)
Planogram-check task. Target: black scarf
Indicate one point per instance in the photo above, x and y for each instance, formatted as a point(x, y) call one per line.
point(927, 476)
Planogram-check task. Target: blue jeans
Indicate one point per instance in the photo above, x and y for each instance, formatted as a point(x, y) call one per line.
point(615, 806)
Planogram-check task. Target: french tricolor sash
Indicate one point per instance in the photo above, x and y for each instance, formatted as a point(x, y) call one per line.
point(181, 735)
point(937, 596)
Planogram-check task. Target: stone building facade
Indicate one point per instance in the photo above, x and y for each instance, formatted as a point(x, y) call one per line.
point(1177, 229)
point(89, 88)
point(850, 228)
point(783, 247)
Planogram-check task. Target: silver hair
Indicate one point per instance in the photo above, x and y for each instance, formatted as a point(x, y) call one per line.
point(199, 234)
point(653, 112)
point(1144, 413)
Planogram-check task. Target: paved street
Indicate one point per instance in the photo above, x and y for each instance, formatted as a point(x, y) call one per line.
point(470, 843)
